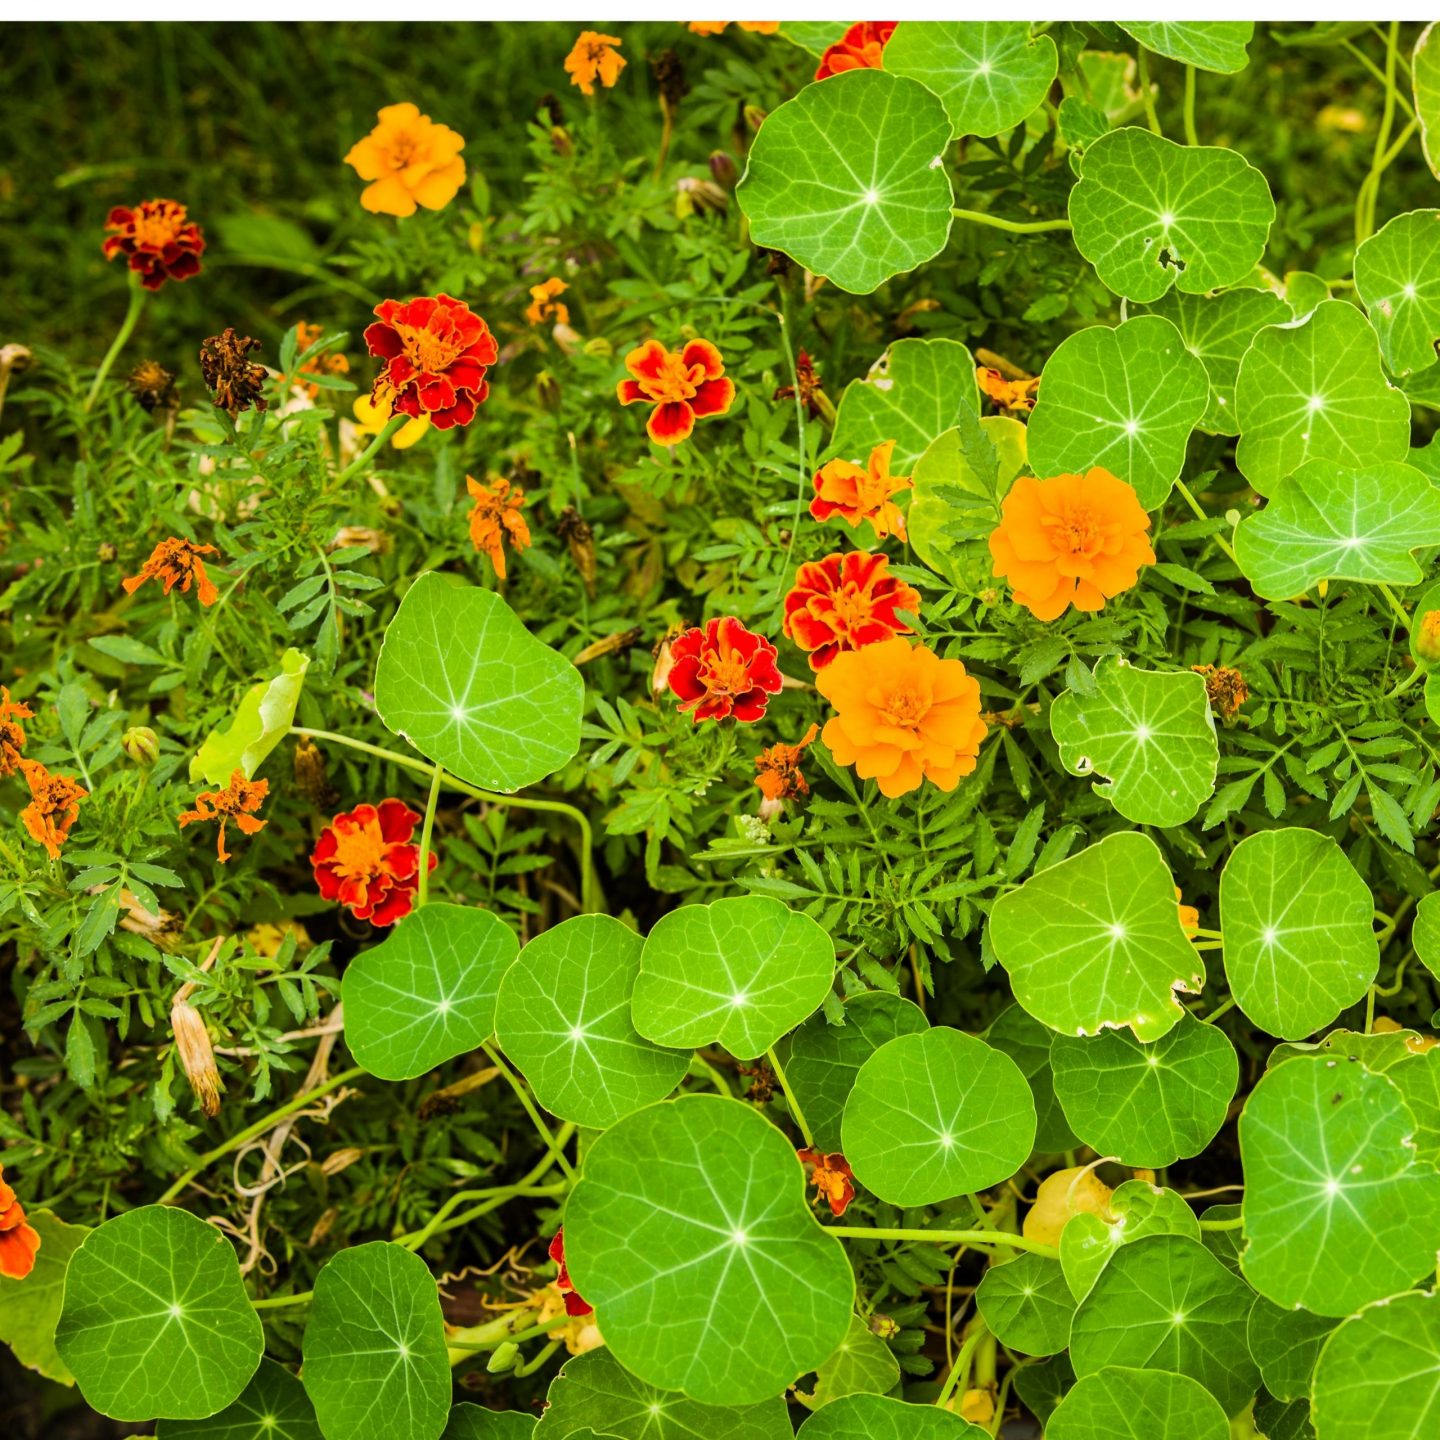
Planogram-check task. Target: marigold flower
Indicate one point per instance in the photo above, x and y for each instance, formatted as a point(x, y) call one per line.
point(364, 859)
point(575, 1304)
point(236, 383)
point(683, 386)
point(543, 305)
point(842, 488)
point(777, 774)
point(593, 57)
point(410, 161)
point(1070, 540)
point(496, 516)
point(860, 48)
point(808, 385)
point(1427, 637)
point(177, 562)
point(1017, 396)
point(845, 601)
point(372, 414)
point(12, 734)
point(1189, 915)
point(238, 801)
point(436, 350)
point(718, 27)
point(330, 362)
point(831, 1176)
point(54, 806)
point(721, 670)
point(153, 387)
point(19, 1241)
point(157, 239)
point(904, 716)
point(1226, 690)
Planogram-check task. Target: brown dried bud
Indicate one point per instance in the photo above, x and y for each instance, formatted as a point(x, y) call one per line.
point(754, 116)
point(235, 383)
point(153, 387)
point(580, 539)
point(14, 358)
point(311, 778)
point(723, 169)
point(342, 1159)
point(1225, 689)
point(192, 1044)
point(703, 195)
point(669, 73)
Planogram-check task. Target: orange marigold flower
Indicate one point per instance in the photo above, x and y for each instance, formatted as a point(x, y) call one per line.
point(410, 161)
point(436, 351)
point(831, 1176)
point(718, 27)
point(1427, 637)
point(19, 1241)
point(54, 806)
point(842, 488)
point(177, 562)
point(593, 57)
point(1189, 915)
point(845, 601)
point(1071, 540)
point(497, 515)
point(364, 859)
point(777, 773)
point(328, 363)
point(543, 305)
point(157, 239)
point(904, 716)
point(682, 385)
point(1014, 395)
point(860, 48)
point(238, 801)
point(723, 669)
point(575, 1304)
point(12, 734)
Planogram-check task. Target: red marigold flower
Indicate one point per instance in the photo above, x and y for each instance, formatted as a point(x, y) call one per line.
point(238, 801)
point(683, 386)
point(364, 859)
point(12, 735)
point(574, 1304)
point(19, 1241)
point(54, 806)
point(436, 350)
point(723, 669)
point(845, 601)
point(157, 239)
point(831, 1176)
point(860, 48)
point(177, 562)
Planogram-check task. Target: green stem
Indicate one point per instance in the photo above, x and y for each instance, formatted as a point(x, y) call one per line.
point(1401, 613)
point(945, 1237)
point(1413, 678)
point(1191, 136)
point(1147, 94)
point(961, 1367)
point(528, 1367)
point(795, 1112)
point(1200, 514)
point(802, 468)
point(493, 1342)
point(1014, 227)
point(364, 458)
point(1234, 1223)
point(422, 893)
point(1366, 198)
point(1223, 1008)
point(276, 1302)
point(536, 1119)
point(127, 327)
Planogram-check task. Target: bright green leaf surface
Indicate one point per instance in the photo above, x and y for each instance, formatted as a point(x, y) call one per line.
point(1418, 1079)
point(261, 722)
point(1043, 1384)
point(875, 1417)
point(1426, 70)
point(29, 1308)
point(1140, 1209)
point(274, 1406)
point(816, 36)
point(1027, 1305)
point(1397, 275)
point(1027, 1042)
point(1285, 1344)
point(475, 1422)
point(1217, 45)
point(862, 1365)
point(1122, 1403)
point(1375, 1379)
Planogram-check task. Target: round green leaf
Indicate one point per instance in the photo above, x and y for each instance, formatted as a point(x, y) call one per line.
point(1299, 931)
point(273, 1406)
point(848, 179)
point(1027, 1042)
point(29, 1308)
point(1043, 1384)
point(990, 73)
point(1285, 1344)
point(1375, 1379)
point(1151, 733)
point(474, 1422)
point(563, 1017)
point(1283, 1419)
point(1166, 1303)
point(1149, 214)
point(935, 1115)
point(816, 36)
point(1337, 1210)
point(1418, 1078)
point(376, 1365)
point(1027, 1305)
point(1217, 45)
point(1139, 1209)
point(1095, 941)
point(1121, 1403)
point(1426, 70)
point(863, 1365)
point(1397, 276)
point(876, 1417)
point(471, 688)
point(155, 1318)
point(702, 1196)
point(427, 994)
point(1124, 399)
point(1224, 1245)
point(1147, 1105)
point(738, 973)
point(1316, 391)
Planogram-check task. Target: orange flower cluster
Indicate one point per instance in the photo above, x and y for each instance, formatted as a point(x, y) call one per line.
point(845, 601)
point(330, 363)
point(862, 47)
point(54, 806)
point(831, 1176)
point(177, 562)
point(682, 386)
point(496, 516)
point(718, 27)
point(158, 240)
point(12, 735)
point(19, 1240)
point(436, 351)
point(238, 801)
point(410, 161)
point(723, 670)
point(594, 57)
point(859, 496)
point(544, 306)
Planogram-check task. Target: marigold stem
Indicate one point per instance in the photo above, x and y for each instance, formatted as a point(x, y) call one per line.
point(998, 1238)
point(362, 460)
point(1015, 227)
point(127, 328)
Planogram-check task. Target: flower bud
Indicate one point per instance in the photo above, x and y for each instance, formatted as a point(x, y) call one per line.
point(503, 1358)
point(1427, 637)
point(197, 1056)
point(723, 169)
point(547, 392)
point(598, 348)
point(105, 552)
point(703, 195)
point(141, 744)
point(754, 116)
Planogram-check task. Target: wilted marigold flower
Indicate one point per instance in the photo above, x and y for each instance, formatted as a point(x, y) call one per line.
point(238, 801)
point(54, 806)
point(1070, 540)
point(153, 387)
point(904, 716)
point(808, 384)
point(177, 562)
point(495, 517)
point(831, 1176)
point(159, 241)
point(777, 773)
point(19, 1241)
point(1017, 396)
point(1225, 688)
point(845, 601)
point(682, 385)
point(235, 383)
point(842, 488)
point(12, 735)
point(364, 859)
point(593, 57)
point(575, 1304)
point(544, 306)
point(436, 350)
point(723, 669)
point(372, 414)
point(330, 362)
point(410, 161)
point(860, 48)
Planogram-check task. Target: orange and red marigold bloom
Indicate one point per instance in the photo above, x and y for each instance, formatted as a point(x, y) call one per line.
point(862, 47)
point(845, 601)
point(682, 385)
point(177, 562)
point(575, 1304)
point(238, 801)
point(364, 860)
point(594, 57)
point(157, 239)
point(54, 806)
point(495, 518)
point(19, 1241)
point(723, 669)
point(842, 488)
point(410, 161)
point(831, 1176)
point(436, 351)
point(12, 734)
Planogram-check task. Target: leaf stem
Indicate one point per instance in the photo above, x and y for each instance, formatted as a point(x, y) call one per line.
point(945, 1237)
point(1366, 197)
point(1014, 227)
point(522, 1094)
point(1200, 514)
point(795, 1112)
point(1147, 94)
point(455, 1342)
point(1234, 1223)
point(363, 459)
point(961, 1367)
point(1401, 613)
point(426, 831)
point(1191, 137)
point(127, 327)
point(1416, 675)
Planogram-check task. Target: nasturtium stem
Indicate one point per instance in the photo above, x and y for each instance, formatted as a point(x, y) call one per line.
point(1147, 95)
point(1200, 514)
point(363, 459)
point(1365, 200)
point(489, 1199)
point(1014, 227)
point(945, 1237)
point(1401, 613)
point(1234, 1223)
point(529, 1367)
point(426, 831)
point(522, 1093)
point(961, 1367)
point(1191, 136)
point(795, 1112)
point(492, 1341)
point(1223, 1008)
point(127, 327)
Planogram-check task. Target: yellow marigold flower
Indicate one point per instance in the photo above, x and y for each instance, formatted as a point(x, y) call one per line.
point(593, 58)
point(373, 414)
point(544, 306)
point(410, 161)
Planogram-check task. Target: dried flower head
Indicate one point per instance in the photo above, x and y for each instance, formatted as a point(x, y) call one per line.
point(410, 161)
point(312, 778)
point(153, 387)
point(808, 385)
point(495, 517)
point(177, 562)
point(235, 383)
point(579, 539)
point(158, 240)
point(594, 57)
point(197, 1055)
point(1225, 688)
point(238, 801)
point(54, 806)
point(669, 72)
point(12, 735)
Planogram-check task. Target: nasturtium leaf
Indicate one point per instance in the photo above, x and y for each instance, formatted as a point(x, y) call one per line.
point(1218, 330)
point(1375, 1379)
point(1286, 1344)
point(1426, 71)
point(273, 1406)
point(475, 1422)
point(1166, 1303)
point(1043, 1384)
point(849, 180)
point(1150, 733)
point(261, 722)
point(1125, 399)
point(935, 1115)
point(30, 1307)
point(1124, 1403)
point(471, 688)
point(155, 1319)
point(1149, 214)
point(1304, 293)
point(912, 395)
point(816, 36)
point(877, 1417)
point(1095, 941)
point(595, 1392)
point(1027, 1042)
point(375, 1358)
point(703, 1197)
point(1381, 1051)
point(1315, 390)
point(824, 1059)
point(1147, 1105)
point(1397, 276)
point(1298, 925)
point(862, 1365)
point(1418, 1079)
point(1137, 1209)
point(563, 1016)
point(1027, 1305)
point(739, 973)
point(990, 73)
point(1337, 1210)
point(1217, 45)
point(1283, 1419)
point(427, 993)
